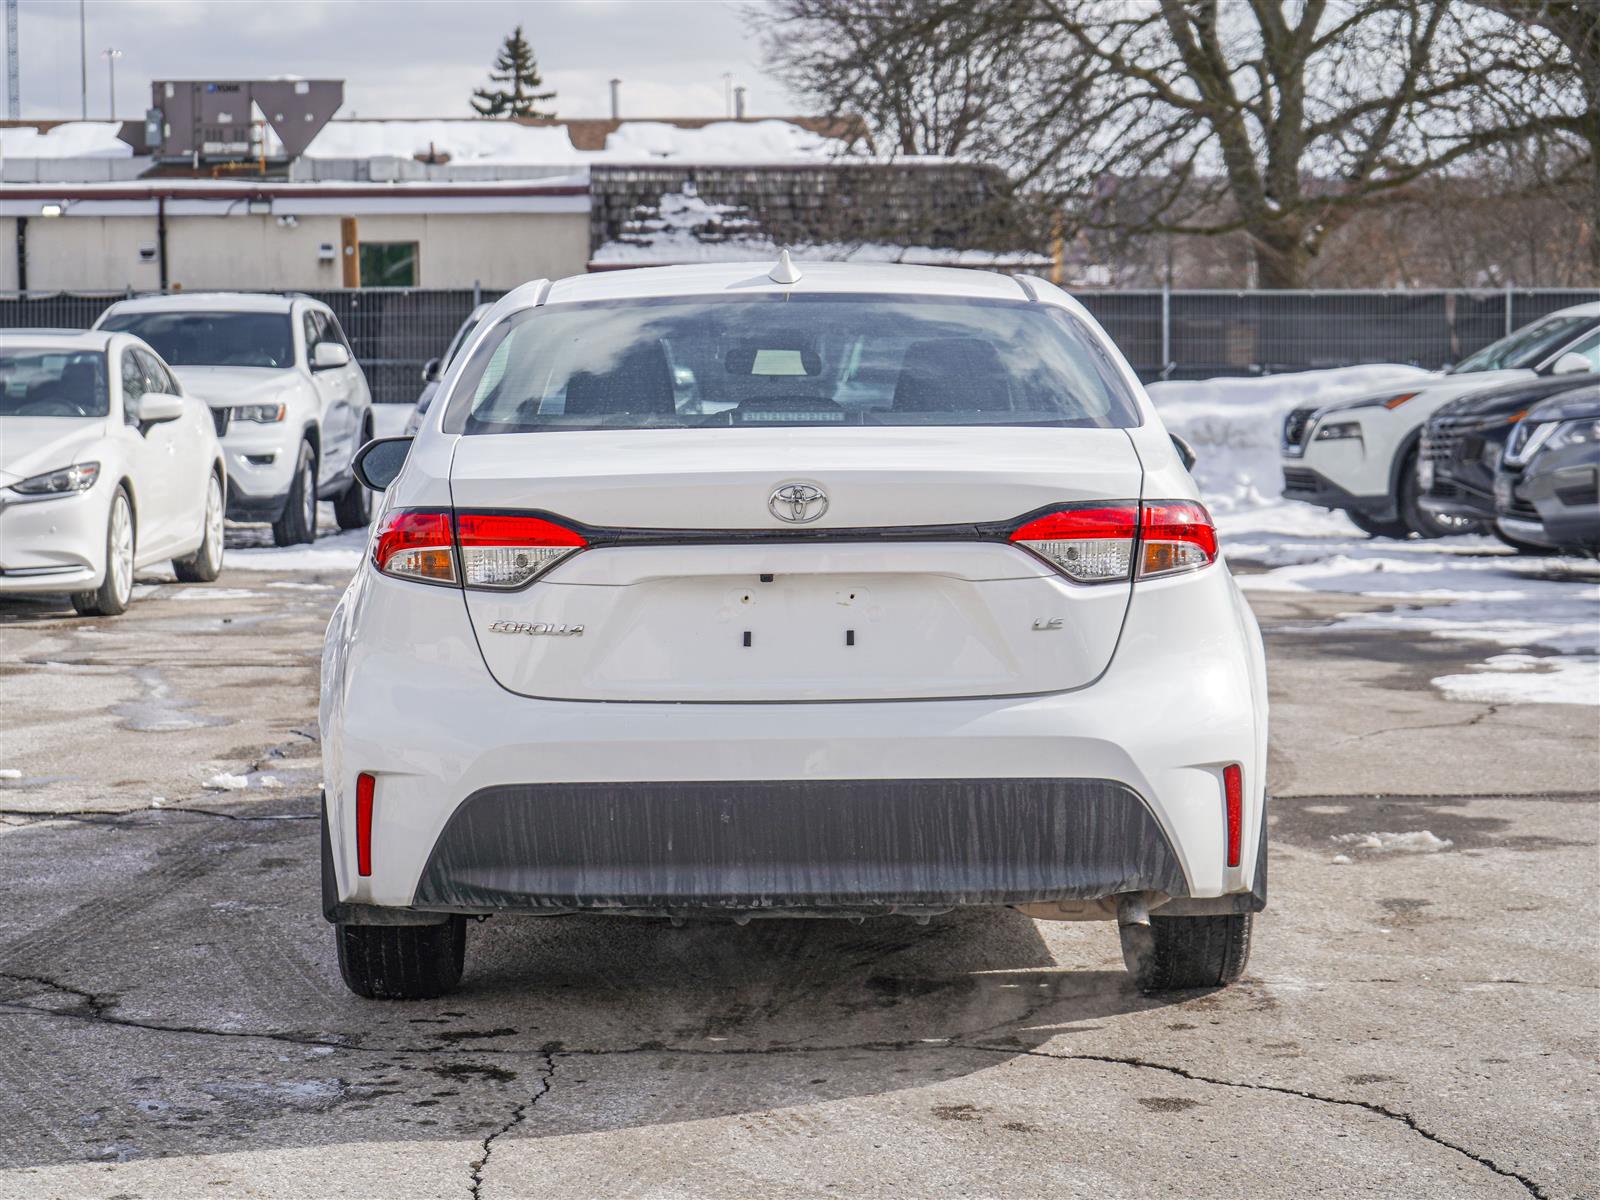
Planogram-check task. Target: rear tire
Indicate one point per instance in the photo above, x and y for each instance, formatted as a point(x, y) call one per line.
point(116, 587)
point(298, 524)
point(205, 564)
point(402, 962)
point(353, 507)
point(1373, 527)
point(1175, 953)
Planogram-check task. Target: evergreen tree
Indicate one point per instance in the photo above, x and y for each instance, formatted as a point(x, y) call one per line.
point(515, 65)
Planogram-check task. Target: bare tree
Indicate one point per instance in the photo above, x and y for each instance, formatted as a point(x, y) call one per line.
point(1275, 119)
point(926, 86)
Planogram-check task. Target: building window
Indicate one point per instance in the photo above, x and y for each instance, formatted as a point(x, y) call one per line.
point(388, 264)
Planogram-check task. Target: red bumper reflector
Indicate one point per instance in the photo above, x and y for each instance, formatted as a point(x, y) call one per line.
point(1233, 798)
point(364, 786)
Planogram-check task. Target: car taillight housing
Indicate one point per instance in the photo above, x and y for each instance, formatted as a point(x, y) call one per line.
point(493, 551)
point(502, 551)
point(1105, 543)
point(416, 544)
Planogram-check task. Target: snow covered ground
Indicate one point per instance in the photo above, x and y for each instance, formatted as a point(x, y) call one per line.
point(1536, 619)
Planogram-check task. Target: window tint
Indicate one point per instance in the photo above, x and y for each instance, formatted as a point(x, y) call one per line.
point(53, 383)
point(310, 330)
point(789, 360)
point(134, 384)
point(156, 378)
point(211, 339)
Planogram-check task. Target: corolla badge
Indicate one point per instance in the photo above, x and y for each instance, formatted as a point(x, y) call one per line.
point(797, 503)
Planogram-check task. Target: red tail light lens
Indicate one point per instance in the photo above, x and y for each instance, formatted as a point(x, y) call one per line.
point(413, 544)
point(365, 785)
point(1097, 545)
point(502, 551)
point(1175, 536)
point(1089, 545)
point(1233, 804)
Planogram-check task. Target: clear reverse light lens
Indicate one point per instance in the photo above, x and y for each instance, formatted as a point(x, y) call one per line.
point(503, 551)
point(79, 477)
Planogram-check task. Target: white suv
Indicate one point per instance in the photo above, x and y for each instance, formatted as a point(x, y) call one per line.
point(844, 591)
point(1362, 455)
point(290, 404)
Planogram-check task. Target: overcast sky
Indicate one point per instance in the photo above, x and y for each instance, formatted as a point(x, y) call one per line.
point(399, 58)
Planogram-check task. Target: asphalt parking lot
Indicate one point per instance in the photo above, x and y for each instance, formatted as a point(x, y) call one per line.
point(1419, 1018)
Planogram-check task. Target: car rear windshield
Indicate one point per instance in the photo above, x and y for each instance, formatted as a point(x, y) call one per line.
point(708, 362)
point(1527, 347)
point(212, 339)
point(53, 383)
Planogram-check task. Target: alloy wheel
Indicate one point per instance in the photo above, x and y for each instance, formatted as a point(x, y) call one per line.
point(121, 564)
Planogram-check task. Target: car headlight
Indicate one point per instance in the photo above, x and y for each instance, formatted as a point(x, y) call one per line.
point(1525, 441)
point(79, 477)
point(1335, 431)
point(1569, 434)
point(261, 414)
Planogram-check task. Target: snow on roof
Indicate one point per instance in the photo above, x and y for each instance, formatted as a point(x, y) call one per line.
point(488, 143)
point(467, 141)
point(70, 139)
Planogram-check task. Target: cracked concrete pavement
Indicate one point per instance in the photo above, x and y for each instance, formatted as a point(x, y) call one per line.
point(1412, 1024)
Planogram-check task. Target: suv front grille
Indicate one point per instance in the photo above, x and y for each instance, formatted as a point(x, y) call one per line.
point(1439, 445)
point(219, 418)
point(1299, 479)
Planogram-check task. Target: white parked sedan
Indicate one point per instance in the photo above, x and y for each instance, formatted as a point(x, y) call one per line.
point(743, 590)
point(105, 467)
point(290, 403)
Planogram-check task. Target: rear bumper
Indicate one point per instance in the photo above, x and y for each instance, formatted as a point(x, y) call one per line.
point(490, 801)
point(859, 844)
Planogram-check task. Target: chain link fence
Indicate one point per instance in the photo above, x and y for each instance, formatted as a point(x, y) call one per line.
point(1165, 335)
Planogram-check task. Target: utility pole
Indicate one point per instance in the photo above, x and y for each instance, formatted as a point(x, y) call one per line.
point(13, 85)
point(111, 54)
point(83, 60)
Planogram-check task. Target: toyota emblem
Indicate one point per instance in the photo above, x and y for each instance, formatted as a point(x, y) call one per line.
point(797, 503)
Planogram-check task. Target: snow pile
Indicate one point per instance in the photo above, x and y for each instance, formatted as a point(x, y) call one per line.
point(720, 141)
point(1421, 841)
point(1525, 679)
point(224, 782)
point(508, 143)
point(465, 141)
point(70, 139)
point(341, 552)
point(1235, 425)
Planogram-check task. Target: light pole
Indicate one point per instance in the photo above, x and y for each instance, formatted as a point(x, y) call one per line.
point(111, 54)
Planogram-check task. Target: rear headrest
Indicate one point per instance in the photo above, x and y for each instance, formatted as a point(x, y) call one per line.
point(640, 384)
point(952, 375)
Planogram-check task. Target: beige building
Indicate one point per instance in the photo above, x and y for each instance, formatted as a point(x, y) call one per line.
point(149, 234)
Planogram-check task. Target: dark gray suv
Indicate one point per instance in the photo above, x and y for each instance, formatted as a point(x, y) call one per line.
point(1548, 488)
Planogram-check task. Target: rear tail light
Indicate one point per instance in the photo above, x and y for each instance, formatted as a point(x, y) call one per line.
point(1090, 545)
point(413, 544)
point(1233, 806)
point(499, 551)
point(505, 551)
point(1175, 536)
point(1105, 543)
point(365, 785)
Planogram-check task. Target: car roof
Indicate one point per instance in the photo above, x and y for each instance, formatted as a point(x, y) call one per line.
point(57, 339)
point(753, 278)
point(214, 301)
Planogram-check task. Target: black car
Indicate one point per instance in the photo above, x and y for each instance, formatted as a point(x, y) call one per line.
point(1547, 490)
point(1462, 443)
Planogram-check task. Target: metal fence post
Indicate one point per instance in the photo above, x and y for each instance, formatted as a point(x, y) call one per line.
point(1166, 331)
point(1509, 325)
point(477, 293)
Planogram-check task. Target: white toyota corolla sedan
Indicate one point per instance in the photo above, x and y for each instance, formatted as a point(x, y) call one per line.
point(106, 467)
point(816, 590)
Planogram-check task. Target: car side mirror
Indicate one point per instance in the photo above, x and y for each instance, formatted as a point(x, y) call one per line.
point(377, 464)
point(154, 407)
point(1571, 363)
point(430, 370)
point(1185, 452)
point(329, 354)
